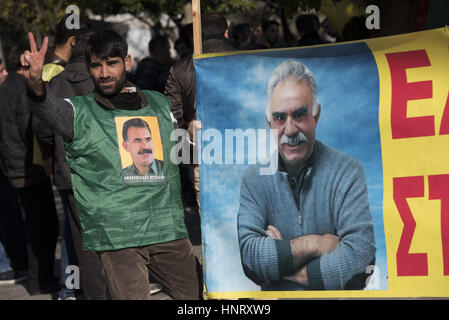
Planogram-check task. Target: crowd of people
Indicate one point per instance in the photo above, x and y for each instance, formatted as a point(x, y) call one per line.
point(57, 127)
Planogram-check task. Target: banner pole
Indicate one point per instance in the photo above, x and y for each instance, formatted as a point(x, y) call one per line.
point(197, 40)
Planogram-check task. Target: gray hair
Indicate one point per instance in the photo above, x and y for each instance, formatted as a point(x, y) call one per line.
point(291, 69)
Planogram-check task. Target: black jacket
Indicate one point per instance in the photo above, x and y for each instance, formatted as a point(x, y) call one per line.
point(310, 38)
point(16, 132)
point(75, 80)
point(180, 86)
point(151, 75)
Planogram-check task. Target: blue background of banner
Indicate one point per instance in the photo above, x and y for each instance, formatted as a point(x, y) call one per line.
point(231, 94)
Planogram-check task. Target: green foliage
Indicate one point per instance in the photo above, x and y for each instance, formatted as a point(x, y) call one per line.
point(153, 8)
point(41, 16)
point(227, 7)
point(290, 7)
point(38, 15)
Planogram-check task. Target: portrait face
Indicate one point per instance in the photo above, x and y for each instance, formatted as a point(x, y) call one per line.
point(109, 74)
point(291, 109)
point(140, 145)
point(3, 73)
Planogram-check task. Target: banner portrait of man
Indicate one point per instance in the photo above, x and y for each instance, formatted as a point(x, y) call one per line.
point(316, 221)
point(307, 226)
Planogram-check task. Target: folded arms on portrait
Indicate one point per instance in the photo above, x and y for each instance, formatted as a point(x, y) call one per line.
point(331, 249)
point(304, 250)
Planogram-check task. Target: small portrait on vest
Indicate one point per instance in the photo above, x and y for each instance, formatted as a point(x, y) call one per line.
point(140, 146)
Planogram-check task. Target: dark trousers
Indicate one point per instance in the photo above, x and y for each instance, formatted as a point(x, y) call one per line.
point(41, 228)
point(12, 226)
point(187, 186)
point(172, 264)
point(92, 278)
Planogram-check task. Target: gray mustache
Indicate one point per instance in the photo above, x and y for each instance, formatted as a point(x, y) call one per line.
point(293, 140)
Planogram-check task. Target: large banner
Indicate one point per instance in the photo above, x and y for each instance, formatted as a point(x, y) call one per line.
point(324, 171)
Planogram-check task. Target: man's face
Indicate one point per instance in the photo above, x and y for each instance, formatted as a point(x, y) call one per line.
point(257, 33)
point(165, 53)
point(140, 146)
point(291, 109)
point(3, 73)
point(109, 74)
point(272, 34)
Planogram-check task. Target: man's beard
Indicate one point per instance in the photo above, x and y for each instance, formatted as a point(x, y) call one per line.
point(117, 86)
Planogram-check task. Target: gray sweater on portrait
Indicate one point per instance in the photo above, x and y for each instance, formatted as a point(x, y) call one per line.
point(329, 196)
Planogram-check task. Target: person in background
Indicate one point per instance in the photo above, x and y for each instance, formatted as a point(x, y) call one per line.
point(328, 32)
point(270, 36)
point(152, 72)
point(308, 27)
point(3, 72)
point(181, 48)
point(185, 41)
point(13, 258)
point(355, 29)
point(30, 180)
point(240, 36)
point(180, 88)
point(255, 34)
point(65, 42)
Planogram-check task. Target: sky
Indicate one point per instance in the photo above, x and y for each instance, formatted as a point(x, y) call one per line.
point(231, 94)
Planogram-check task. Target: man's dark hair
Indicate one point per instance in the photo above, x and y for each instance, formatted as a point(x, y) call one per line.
point(104, 44)
point(12, 61)
point(307, 22)
point(135, 122)
point(157, 41)
point(240, 32)
point(267, 24)
point(1, 61)
point(81, 44)
point(186, 34)
point(213, 26)
point(62, 33)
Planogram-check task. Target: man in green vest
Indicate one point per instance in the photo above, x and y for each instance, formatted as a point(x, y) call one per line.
point(138, 228)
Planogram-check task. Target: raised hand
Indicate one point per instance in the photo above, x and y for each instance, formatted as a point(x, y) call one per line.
point(32, 63)
point(194, 126)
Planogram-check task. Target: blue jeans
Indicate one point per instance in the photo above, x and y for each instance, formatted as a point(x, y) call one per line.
point(5, 264)
point(13, 254)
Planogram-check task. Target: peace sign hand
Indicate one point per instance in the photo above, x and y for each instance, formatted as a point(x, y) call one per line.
point(32, 63)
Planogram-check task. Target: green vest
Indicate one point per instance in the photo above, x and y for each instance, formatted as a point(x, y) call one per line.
point(114, 212)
